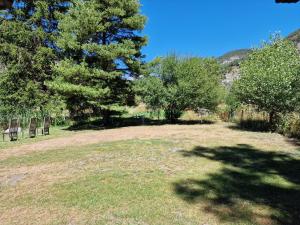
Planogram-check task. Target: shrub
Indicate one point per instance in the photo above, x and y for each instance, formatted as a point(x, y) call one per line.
point(270, 79)
point(290, 125)
point(173, 114)
point(250, 117)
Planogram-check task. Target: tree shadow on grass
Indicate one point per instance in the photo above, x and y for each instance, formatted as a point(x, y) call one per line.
point(252, 125)
point(293, 141)
point(267, 179)
point(130, 122)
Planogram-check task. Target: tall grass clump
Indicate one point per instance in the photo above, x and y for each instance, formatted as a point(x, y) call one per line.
point(290, 125)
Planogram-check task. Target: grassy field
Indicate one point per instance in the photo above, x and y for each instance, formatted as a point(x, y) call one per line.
point(170, 174)
point(24, 139)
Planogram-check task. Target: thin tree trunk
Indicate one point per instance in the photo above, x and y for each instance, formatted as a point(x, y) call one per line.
point(272, 120)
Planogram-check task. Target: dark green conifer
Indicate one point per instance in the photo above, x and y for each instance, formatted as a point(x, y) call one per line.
point(102, 47)
point(27, 33)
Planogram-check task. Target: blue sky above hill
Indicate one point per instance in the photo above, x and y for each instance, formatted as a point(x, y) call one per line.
point(212, 28)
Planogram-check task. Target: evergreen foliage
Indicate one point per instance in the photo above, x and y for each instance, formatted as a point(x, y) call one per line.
point(27, 34)
point(102, 51)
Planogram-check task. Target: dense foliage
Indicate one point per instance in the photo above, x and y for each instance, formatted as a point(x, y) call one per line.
point(270, 78)
point(176, 84)
point(27, 34)
point(101, 51)
point(85, 57)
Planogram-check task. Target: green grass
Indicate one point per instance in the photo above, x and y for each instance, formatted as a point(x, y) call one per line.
point(228, 177)
point(55, 132)
point(75, 153)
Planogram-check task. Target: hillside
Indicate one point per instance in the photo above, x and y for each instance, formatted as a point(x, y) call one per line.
point(234, 57)
point(295, 36)
point(232, 60)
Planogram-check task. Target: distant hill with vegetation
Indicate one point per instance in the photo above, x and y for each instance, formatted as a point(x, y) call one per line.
point(230, 62)
point(232, 59)
point(295, 37)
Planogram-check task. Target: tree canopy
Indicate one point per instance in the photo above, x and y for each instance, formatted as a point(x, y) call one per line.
point(270, 78)
point(176, 84)
point(27, 34)
point(102, 51)
point(83, 51)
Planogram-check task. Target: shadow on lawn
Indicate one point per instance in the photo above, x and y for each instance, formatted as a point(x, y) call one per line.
point(129, 122)
point(293, 141)
point(244, 179)
point(251, 125)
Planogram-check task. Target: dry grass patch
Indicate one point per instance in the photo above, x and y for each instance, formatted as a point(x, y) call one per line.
point(198, 174)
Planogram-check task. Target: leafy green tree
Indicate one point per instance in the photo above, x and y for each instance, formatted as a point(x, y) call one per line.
point(176, 84)
point(199, 83)
point(102, 49)
point(152, 91)
point(167, 71)
point(27, 33)
point(231, 101)
point(270, 78)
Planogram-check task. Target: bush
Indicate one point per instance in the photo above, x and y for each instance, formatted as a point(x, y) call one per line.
point(270, 79)
point(290, 125)
point(251, 118)
point(226, 113)
point(173, 114)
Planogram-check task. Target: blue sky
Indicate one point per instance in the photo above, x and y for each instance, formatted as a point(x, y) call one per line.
point(214, 27)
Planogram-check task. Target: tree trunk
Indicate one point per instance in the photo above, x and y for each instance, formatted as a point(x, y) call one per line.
point(106, 115)
point(273, 120)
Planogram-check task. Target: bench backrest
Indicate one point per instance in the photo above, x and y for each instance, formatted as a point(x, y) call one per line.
point(33, 124)
point(14, 126)
point(32, 127)
point(47, 123)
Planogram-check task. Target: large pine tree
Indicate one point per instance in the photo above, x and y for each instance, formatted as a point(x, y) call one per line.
point(102, 47)
point(27, 36)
